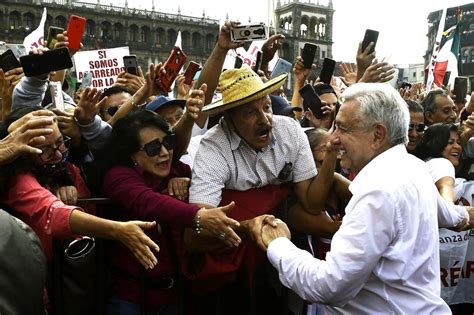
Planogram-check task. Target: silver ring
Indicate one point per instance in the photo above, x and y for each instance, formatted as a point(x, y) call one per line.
point(222, 236)
point(380, 75)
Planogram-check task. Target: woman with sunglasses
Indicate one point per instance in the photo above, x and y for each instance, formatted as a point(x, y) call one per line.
point(141, 148)
point(41, 189)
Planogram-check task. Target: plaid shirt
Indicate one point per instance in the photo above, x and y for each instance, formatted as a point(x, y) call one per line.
point(225, 161)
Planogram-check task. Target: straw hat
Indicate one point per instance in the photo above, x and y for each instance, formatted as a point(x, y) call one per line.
point(240, 86)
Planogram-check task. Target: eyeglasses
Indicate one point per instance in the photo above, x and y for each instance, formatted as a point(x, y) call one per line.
point(112, 110)
point(418, 128)
point(49, 153)
point(153, 148)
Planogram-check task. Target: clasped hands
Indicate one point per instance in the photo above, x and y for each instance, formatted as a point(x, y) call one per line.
point(266, 228)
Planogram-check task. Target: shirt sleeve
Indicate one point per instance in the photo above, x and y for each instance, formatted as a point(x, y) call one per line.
point(439, 168)
point(37, 206)
point(127, 186)
point(210, 173)
point(449, 214)
point(356, 248)
point(304, 168)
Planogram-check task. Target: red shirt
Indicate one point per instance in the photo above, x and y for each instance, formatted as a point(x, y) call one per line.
point(35, 205)
point(138, 192)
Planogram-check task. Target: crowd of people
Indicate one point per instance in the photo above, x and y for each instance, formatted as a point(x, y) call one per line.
point(230, 197)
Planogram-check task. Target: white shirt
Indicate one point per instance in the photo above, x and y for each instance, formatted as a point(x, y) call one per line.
point(225, 161)
point(385, 256)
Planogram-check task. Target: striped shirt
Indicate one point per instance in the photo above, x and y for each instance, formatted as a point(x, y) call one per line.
point(225, 161)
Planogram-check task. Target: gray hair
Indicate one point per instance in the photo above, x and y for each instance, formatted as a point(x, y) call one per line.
point(429, 102)
point(381, 103)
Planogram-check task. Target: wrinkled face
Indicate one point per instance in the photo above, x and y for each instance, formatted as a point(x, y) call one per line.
point(53, 148)
point(445, 111)
point(159, 163)
point(171, 113)
point(319, 152)
point(356, 143)
point(253, 122)
point(414, 134)
point(452, 151)
point(112, 104)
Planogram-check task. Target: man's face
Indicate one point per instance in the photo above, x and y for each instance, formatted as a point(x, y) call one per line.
point(414, 136)
point(356, 143)
point(445, 111)
point(253, 122)
point(171, 113)
point(330, 99)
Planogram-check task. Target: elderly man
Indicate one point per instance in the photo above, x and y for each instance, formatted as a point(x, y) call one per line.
point(439, 108)
point(385, 256)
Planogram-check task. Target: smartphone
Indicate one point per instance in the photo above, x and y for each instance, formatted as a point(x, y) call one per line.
point(405, 85)
point(56, 90)
point(460, 89)
point(327, 70)
point(258, 61)
point(244, 33)
point(311, 100)
point(238, 62)
point(308, 54)
point(18, 49)
point(8, 61)
point(75, 29)
point(53, 31)
point(86, 80)
point(281, 66)
point(172, 66)
point(50, 60)
point(370, 36)
point(130, 64)
point(190, 72)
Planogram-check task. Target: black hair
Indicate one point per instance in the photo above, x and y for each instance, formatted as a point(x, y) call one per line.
point(114, 90)
point(125, 141)
point(414, 107)
point(323, 88)
point(434, 140)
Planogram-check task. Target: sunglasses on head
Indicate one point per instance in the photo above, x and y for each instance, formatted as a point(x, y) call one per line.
point(153, 148)
point(418, 128)
point(112, 110)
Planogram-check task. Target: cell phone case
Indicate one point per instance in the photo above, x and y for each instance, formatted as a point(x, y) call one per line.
point(308, 54)
point(86, 80)
point(370, 36)
point(190, 72)
point(282, 66)
point(8, 61)
point(172, 66)
point(50, 60)
point(258, 61)
point(75, 30)
point(243, 33)
point(311, 100)
point(460, 89)
point(130, 64)
point(327, 70)
point(52, 33)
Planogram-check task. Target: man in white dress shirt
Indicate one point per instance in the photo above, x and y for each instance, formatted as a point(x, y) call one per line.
point(385, 256)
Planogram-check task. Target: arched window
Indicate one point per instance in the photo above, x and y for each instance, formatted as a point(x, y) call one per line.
point(186, 40)
point(133, 33)
point(210, 41)
point(197, 40)
point(15, 20)
point(145, 34)
point(90, 28)
point(106, 31)
point(118, 31)
point(172, 35)
point(29, 21)
point(60, 21)
point(160, 36)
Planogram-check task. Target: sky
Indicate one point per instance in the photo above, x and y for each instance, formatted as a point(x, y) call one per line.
point(402, 23)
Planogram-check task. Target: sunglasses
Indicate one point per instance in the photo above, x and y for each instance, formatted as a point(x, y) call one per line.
point(418, 128)
point(112, 110)
point(49, 153)
point(153, 148)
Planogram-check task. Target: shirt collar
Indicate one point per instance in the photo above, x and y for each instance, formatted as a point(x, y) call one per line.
point(235, 140)
point(385, 159)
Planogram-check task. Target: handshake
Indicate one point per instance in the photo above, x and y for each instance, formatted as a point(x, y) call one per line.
point(264, 229)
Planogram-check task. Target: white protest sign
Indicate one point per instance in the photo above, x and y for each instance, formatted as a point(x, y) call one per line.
point(103, 64)
point(456, 253)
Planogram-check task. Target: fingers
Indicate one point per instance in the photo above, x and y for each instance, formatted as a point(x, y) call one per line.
point(148, 226)
point(270, 220)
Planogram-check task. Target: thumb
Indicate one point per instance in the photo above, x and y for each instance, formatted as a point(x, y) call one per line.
point(145, 225)
point(228, 207)
point(30, 150)
point(203, 87)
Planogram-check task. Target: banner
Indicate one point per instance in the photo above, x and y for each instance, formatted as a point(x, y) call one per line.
point(35, 38)
point(456, 253)
point(103, 64)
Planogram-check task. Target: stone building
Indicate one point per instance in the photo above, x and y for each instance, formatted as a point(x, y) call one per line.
point(149, 34)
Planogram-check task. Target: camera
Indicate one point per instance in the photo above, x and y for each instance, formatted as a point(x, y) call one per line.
point(243, 33)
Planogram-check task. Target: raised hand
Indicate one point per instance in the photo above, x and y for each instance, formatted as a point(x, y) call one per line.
point(223, 41)
point(378, 72)
point(183, 88)
point(195, 102)
point(364, 59)
point(301, 73)
point(130, 82)
point(68, 126)
point(349, 73)
point(270, 47)
point(89, 106)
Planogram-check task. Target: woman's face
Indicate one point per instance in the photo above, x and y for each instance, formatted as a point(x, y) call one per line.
point(154, 156)
point(319, 152)
point(452, 151)
point(52, 148)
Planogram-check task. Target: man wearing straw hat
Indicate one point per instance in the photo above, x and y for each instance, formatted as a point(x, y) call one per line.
point(253, 158)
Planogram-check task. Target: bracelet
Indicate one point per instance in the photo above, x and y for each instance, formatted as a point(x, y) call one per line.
point(197, 222)
point(135, 105)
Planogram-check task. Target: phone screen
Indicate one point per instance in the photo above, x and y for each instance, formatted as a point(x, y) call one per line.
point(327, 70)
point(308, 54)
point(370, 36)
point(130, 64)
point(311, 100)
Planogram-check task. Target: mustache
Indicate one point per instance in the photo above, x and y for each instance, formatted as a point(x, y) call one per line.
point(266, 127)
